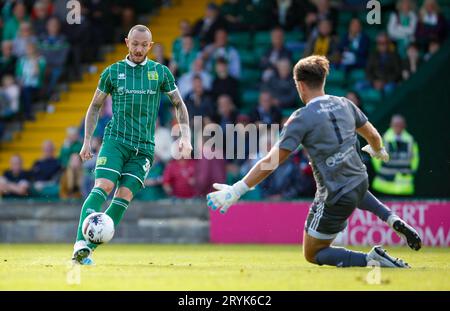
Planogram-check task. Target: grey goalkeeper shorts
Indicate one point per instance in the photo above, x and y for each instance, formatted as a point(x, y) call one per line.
point(325, 221)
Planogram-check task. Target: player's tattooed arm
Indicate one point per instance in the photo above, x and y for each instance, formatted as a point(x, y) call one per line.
point(183, 121)
point(93, 113)
point(181, 111)
point(90, 123)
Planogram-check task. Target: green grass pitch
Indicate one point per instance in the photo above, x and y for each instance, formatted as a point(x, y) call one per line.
point(209, 267)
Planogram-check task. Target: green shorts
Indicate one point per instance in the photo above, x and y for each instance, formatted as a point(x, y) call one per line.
point(122, 164)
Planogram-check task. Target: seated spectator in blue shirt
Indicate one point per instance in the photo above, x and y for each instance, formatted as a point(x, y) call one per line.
point(221, 49)
point(354, 46)
point(54, 47)
point(199, 102)
point(282, 86)
point(266, 112)
point(45, 172)
point(15, 182)
point(276, 52)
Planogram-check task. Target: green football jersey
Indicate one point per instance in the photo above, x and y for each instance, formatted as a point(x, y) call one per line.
point(136, 92)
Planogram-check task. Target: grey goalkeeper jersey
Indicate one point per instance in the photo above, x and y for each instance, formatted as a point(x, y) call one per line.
point(326, 127)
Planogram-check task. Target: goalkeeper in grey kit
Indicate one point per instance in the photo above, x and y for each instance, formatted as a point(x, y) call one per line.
point(327, 128)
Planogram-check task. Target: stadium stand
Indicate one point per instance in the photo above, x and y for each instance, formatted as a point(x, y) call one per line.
point(350, 42)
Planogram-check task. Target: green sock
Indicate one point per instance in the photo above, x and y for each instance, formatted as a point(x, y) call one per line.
point(116, 210)
point(92, 204)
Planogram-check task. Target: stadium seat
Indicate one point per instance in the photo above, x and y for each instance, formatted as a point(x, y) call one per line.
point(249, 58)
point(336, 78)
point(250, 77)
point(262, 38)
point(356, 75)
point(249, 99)
point(294, 36)
point(370, 97)
point(240, 40)
point(335, 90)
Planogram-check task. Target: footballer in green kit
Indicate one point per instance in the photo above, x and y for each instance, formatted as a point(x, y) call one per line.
point(126, 155)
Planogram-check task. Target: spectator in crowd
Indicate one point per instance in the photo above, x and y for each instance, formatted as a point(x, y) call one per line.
point(25, 36)
point(384, 66)
point(30, 73)
point(283, 184)
point(71, 145)
point(402, 25)
point(226, 109)
point(411, 62)
point(223, 83)
point(179, 178)
point(72, 179)
point(45, 171)
point(185, 83)
point(259, 14)
point(282, 86)
point(15, 182)
point(158, 54)
point(153, 183)
point(321, 10)
point(103, 119)
point(47, 6)
point(233, 11)
point(89, 168)
point(323, 42)
point(183, 58)
point(199, 102)
point(185, 30)
point(433, 47)
point(307, 184)
point(12, 23)
point(220, 49)
point(208, 170)
point(54, 47)
point(276, 52)
point(39, 18)
point(396, 177)
point(266, 112)
point(127, 20)
point(9, 92)
point(100, 16)
point(288, 13)
point(79, 37)
point(164, 138)
point(355, 98)
point(206, 27)
point(354, 47)
point(8, 60)
point(432, 24)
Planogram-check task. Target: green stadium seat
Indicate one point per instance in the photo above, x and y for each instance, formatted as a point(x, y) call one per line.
point(249, 58)
point(335, 90)
point(250, 77)
point(240, 40)
point(294, 36)
point(344, 18)
point(249, 99)
point(296, 55)
point(370, 97)
point(336, 78)
point(262, 38)
point(357, 75)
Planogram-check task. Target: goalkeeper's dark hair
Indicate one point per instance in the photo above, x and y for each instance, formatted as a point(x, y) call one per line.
point(312, 71)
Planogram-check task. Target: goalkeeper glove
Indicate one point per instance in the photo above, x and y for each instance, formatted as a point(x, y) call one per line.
point(226, 195)
point(380, 155)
